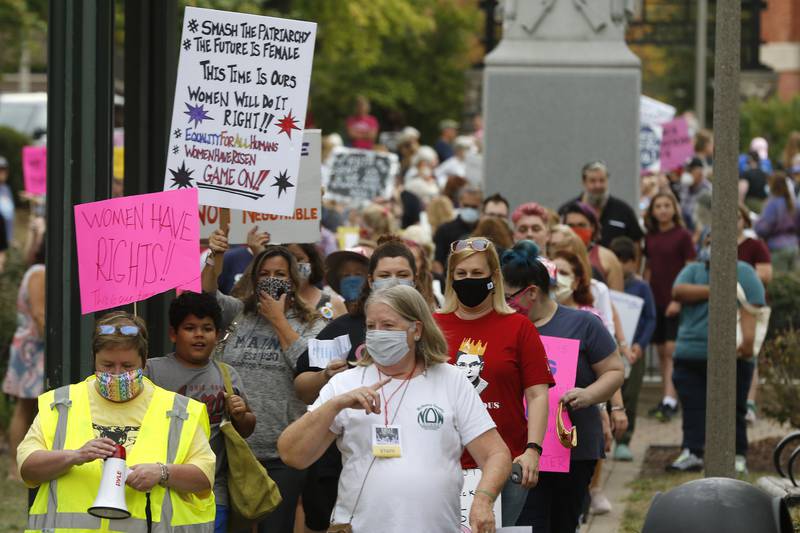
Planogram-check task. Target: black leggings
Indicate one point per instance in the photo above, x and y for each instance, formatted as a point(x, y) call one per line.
point(290, 482)
point(555, 504)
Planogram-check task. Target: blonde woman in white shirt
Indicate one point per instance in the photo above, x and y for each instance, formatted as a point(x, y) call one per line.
point(402, 419)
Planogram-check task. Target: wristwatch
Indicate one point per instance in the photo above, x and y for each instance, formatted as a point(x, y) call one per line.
point(533, 446)
point(164, 474)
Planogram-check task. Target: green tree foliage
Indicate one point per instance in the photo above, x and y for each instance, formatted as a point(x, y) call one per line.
point(773, 119)
point(22, 23)
point(404, 55)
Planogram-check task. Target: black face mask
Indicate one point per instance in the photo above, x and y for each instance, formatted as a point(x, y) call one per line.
point(473, 291)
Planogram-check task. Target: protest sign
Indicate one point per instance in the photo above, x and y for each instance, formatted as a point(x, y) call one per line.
point(240, 105)
point(348, 236)
point(629, 309)
point(652, 114)
point(134, 247)
point(301, 226)
point(357, 176)
point(676, 145)
point(119, 162)
point(34, 169)
point(473, 170)
point(562, 354)
point(471, 479)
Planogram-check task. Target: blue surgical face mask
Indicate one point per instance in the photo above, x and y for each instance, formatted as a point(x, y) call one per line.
point(704, 256)
point(385, 283)
point(350, 287)
point(470, 215)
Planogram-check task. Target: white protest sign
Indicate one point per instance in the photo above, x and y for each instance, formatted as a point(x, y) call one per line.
point(629, 309)
point(322, 352)
point(474, 169)
point(652, 114)
point(471, 479)
point(240, 105)
point(301, 226)
point(355, 176)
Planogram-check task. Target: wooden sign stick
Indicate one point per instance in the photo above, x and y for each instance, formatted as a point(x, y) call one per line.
point(224, 225)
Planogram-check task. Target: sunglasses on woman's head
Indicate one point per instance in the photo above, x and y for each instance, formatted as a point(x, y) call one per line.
point(479, 245)
point(108, 329)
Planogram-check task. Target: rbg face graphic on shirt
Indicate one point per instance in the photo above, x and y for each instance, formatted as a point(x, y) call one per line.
point(470, 360)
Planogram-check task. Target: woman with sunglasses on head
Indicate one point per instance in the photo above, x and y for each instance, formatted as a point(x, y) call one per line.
point(117, 412)
point(556, 503)
point(392, 263)
point(502, 355)
point(268, 328)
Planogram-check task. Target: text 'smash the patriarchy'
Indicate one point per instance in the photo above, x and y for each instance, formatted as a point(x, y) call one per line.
point(240, 106)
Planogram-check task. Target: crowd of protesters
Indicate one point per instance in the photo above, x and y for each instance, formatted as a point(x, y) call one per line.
point(347, 363)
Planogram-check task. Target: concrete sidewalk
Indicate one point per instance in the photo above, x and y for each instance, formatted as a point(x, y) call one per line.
point(617, 475)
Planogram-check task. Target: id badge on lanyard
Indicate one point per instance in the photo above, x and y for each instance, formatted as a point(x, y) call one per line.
point(386, 441)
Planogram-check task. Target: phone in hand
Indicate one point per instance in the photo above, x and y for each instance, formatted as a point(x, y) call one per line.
point(516, 473)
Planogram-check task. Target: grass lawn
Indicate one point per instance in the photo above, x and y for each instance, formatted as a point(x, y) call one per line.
point(644, 488)
point(13, 501)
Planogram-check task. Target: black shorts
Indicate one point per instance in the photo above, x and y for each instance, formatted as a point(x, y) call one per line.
point(666, 328)
point(319, 496)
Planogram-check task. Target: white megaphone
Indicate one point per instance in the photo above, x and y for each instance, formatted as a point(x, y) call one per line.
point(110, 501)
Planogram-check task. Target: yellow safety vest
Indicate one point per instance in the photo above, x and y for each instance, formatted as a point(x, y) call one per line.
point(166, 432)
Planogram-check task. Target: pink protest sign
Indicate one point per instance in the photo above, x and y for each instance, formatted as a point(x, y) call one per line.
point(676, 144)
point(135, 247)
point(563, 357)
point(34, 169)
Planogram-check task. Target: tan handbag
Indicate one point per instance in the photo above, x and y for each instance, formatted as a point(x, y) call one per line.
point(251, 492)
point(567, 437)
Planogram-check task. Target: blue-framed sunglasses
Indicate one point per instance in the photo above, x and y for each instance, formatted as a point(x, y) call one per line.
point(108, 329)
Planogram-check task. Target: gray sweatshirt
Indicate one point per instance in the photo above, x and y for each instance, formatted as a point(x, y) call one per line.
point(267, 371)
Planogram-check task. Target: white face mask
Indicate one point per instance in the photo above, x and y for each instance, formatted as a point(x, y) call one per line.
point(388, 347)
point(687, 179)
point(564, 287)
point(304, 269)
point(385, 283)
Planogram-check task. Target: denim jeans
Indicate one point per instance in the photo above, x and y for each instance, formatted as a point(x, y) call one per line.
point(511, 502)
point(221, 519)
point(690, 379)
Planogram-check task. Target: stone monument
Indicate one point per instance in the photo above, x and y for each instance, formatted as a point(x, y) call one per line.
point(561, 89)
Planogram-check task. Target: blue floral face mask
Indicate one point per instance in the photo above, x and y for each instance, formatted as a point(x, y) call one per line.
point(350, 287)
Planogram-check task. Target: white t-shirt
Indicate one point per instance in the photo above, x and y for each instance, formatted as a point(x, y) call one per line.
point(602, 302)
point(420, 491)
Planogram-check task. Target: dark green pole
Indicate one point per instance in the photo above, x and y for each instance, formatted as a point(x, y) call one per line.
point(79, 136)
point(151, 64)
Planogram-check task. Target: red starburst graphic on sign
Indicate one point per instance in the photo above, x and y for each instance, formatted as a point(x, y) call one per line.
point(287, 124)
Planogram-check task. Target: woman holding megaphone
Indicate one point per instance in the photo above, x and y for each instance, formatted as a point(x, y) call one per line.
point(170, 465)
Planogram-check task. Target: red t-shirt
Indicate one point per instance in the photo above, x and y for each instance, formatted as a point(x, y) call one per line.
point(753, 251)
point(667, 253)
point(362, 125)
point(502, 355)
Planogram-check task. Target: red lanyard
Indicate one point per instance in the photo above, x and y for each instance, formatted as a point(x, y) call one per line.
point(405, 383)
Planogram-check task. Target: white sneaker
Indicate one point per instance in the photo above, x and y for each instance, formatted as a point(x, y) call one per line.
point(599, 504)
point(686, 462)
point(740, 465)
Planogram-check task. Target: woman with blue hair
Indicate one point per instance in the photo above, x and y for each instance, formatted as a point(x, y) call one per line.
point(555, 503)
